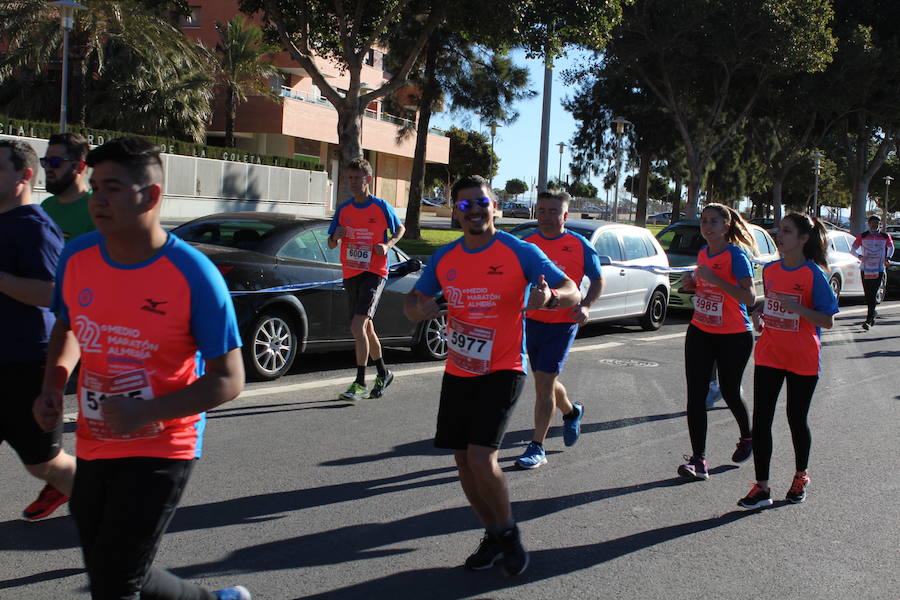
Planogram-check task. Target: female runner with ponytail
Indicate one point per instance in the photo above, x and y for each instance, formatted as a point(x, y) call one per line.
point(798, 302)
point(719, 333)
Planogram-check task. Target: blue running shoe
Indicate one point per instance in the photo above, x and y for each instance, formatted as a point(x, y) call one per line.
point(237, 592)
point(572, 425)
point(533, 457)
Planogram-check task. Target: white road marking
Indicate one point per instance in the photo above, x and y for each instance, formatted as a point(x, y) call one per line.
point(595, 346)
point(656, 338)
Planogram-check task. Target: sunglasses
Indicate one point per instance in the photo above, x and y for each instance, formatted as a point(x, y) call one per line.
point(54, 162)
point(465, 205)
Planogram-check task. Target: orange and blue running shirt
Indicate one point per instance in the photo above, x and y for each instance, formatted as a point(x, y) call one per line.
point(714, 310)
point(875, 248)
point(366, 224)
point(485, 290)
point(789, 342)
point(144, 331)
point(575, 257)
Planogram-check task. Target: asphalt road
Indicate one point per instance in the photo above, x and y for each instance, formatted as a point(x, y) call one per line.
point(302, 496)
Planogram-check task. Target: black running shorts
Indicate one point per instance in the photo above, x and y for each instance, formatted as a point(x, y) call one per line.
point(363, 293)
point(21, 385)
point(476, 410)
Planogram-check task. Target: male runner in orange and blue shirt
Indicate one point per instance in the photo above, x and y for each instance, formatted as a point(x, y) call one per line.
point(484, 278)
point(153, 323)
point(367, 227)
point(549, 333)
point(877, 249)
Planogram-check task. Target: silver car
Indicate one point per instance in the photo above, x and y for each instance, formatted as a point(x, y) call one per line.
point(627, 292)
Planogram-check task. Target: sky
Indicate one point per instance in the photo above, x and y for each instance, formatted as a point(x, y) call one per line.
point(518, 145)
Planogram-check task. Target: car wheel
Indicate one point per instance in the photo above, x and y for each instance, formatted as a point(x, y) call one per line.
point(835, 283)
point(656, 312)
point(432, 344)
point(271, 347)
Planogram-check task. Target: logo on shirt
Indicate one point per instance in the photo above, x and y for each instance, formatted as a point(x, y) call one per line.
point(798, 287)
point(451, 274)
point(371, 220)
point(152, 306)
point(567, 248)
point(495, 270)
point(85, 297)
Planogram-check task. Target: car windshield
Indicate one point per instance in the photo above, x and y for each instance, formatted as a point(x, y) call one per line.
point(681, 239)
point(232, 233)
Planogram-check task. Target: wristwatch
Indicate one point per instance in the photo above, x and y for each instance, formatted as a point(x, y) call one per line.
point(553, 302)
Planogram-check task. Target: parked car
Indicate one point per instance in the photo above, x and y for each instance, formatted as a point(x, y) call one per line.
point(516, 210)
point(843, 267)
point(766, 223)
point(894, 232)
point(288, 291)
point(682, 242)
point(663, 218)
point(434, 202)
point(893, 273)
point(627, 292)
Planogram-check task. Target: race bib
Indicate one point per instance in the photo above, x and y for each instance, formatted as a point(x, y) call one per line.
point(776, 316)
point(95, 388)
point(358, 256)
point(708, 308)
point(470, 346)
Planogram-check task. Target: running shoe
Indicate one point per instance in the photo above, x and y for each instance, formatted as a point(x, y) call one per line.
point(237, 592)
point(743, 451)
point(381, 384)
point(694, 468)
point(572, 425)
point(488, 552)
point(355, 392)
point(714, 394)
point(47, 501)
point(757, 498)
point(515, 557)
point(865, 325)
point(797, 493)
point(533, 457)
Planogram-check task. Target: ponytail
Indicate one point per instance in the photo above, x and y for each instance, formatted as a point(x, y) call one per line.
point(816, 247)
point(738, 232)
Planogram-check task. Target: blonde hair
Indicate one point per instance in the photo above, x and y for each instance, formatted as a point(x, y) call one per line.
point(738, 232)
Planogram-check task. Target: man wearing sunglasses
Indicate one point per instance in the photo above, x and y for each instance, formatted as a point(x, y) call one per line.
point(66, 178)
point(488, 278)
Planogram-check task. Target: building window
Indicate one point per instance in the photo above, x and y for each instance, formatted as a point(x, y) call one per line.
point(193, 19)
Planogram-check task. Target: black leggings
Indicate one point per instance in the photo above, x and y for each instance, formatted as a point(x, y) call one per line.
point(767, 383)
point(122, 507)
point(870, 288)
point(729, 353)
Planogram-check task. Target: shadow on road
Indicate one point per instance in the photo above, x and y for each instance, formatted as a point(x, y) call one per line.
point(39, 577)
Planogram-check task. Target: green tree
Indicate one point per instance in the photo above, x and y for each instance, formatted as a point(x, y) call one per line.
point(582, 189)
point(244, 66)
point(516, 187)
point(470, 154)
point(112, 45)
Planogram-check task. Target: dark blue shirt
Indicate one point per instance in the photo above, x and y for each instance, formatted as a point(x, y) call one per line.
point(30, 244)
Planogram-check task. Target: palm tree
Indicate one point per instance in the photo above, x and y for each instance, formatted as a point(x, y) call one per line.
point(117, 47)
point(244, 67)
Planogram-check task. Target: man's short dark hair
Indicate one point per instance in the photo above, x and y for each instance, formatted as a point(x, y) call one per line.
point(139, 156)
point(76, 146)
point(361, 164)
point(22, 156)
point(875, 218)
point(560, 195)
point(470, 181)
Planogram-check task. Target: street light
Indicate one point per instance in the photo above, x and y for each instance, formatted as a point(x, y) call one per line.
point(561, 146)
point(620, 122)
point(815, 207)
point(493, 125)
point(887, 186)
point(67, 10)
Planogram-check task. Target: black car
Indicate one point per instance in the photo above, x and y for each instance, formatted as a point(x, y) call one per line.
point(288, 291)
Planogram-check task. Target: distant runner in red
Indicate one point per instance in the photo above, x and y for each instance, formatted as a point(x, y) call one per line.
point(366, 227)
point(798, 302)
point(877, 249)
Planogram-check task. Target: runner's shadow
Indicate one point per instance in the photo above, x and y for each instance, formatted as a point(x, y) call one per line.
point(39, 577)
point(877, 354)
point(49, 534)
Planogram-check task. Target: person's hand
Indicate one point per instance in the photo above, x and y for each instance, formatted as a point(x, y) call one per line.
point(538, 295)
point(381, 249)
point(47, 409)
point(757, 317)
point(124, 414)
point(426, 308)
point(706, 274)
point(687, 283)
point(787, 303)
point(580, 314)
point(339, 232)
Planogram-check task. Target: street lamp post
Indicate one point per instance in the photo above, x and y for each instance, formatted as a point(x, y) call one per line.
point(493, 126)
point(620, 122)
point(887, 186)
point(815, 207)
point(561, 146)
point(67, 10)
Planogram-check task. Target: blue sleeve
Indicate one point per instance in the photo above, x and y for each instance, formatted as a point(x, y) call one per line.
point(46, 244)
point(335, 220)
point(428, 283)
point(592, 268)
point(534, 262)
point(740, 263)
point(213, 321)
point(82, 242)
point(822, 295)
point(390, 217)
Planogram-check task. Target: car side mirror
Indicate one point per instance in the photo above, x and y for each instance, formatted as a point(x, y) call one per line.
point(605, 261)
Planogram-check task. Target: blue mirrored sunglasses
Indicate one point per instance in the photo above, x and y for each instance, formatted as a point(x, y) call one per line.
point(465, 205)
point(54, 162)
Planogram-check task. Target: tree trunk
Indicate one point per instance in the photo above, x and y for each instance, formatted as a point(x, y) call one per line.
point(676, 203)
point(693, 200)
point(230, 116)
point(777, 187)
point(349, 141)
point(417, 177)
point(640, 215)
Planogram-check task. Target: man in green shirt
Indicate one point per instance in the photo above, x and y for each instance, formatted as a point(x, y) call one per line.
point(66, 179)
